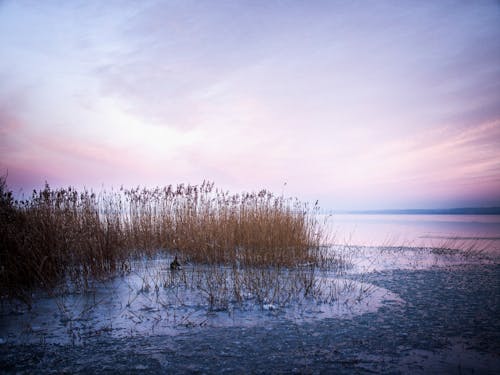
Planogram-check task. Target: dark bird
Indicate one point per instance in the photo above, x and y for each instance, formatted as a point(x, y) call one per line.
point(175, 265)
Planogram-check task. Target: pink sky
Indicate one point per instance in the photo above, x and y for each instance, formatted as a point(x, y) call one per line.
point(360, 105)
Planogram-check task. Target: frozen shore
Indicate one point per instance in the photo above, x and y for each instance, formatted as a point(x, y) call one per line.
point(445, 319)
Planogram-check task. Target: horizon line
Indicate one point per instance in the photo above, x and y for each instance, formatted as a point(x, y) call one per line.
point(493, 210)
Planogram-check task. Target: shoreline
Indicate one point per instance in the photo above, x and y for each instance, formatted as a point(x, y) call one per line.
point(448, 322)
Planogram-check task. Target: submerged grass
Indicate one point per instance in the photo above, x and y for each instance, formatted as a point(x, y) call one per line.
point(64, 235)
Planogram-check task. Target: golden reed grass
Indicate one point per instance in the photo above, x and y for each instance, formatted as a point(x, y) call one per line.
point(66, 235)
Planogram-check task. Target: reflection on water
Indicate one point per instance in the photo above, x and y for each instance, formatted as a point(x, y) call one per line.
point(482, 231)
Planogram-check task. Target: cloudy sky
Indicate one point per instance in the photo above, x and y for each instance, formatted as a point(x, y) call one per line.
point(369, 104)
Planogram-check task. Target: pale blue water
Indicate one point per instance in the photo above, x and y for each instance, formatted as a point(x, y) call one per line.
point(416, 230)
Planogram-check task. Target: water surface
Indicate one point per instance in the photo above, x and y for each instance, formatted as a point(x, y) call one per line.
point(481, 231)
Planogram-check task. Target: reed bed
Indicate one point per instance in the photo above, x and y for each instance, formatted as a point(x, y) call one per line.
point(64, 235)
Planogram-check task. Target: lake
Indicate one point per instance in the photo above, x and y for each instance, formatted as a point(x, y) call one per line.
point(415, 230)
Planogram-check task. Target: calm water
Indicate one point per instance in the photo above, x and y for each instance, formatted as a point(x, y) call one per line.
point(416, 230)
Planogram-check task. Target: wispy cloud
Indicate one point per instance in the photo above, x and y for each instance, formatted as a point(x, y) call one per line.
point(360, 105)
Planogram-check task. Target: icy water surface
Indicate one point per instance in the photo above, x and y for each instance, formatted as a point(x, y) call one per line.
point(153, 300)
point(395, 310)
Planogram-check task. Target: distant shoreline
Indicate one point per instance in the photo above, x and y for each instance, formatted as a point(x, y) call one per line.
point(438, 211)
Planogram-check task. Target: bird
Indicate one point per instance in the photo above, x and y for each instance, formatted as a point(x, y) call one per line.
point(175, 265)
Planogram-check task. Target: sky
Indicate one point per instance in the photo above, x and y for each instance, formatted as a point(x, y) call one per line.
point(357, 104)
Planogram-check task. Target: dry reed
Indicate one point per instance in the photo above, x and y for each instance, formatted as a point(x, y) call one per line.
point(64, 235)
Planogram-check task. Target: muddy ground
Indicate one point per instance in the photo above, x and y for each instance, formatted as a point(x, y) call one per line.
point(448, 322)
